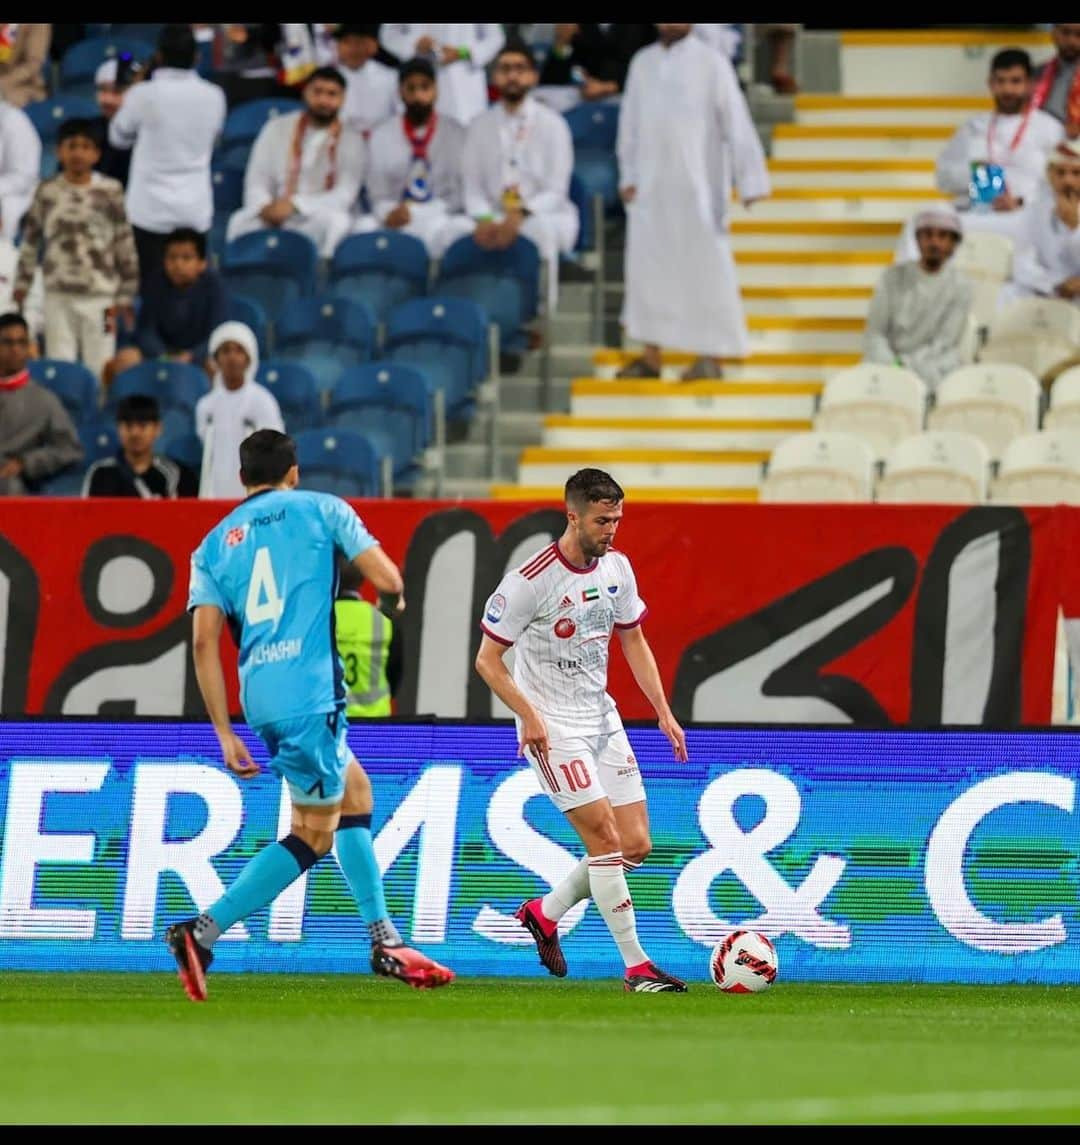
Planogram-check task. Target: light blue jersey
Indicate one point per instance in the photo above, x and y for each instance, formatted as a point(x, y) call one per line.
point(271, 567)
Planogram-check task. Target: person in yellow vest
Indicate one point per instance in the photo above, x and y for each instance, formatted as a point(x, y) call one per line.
point(369, 644)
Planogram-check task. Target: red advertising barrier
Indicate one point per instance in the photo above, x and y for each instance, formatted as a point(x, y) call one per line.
point(770, 613)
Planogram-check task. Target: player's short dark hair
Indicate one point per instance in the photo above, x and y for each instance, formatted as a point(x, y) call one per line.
point(515, 46)
point(327, 73)
point(265, 457)
point(77, 129)
point(13, 319)
point(140, 408)
point(1011, 58)
point(187, 235)
point(176, 47)
point(588, 486)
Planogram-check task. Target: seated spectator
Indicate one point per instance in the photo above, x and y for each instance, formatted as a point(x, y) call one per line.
point(136, 470)
point(1047, 257)
point(235, 407)
point(460, 53)
point(183, 304)
point(90, 265)
point(37, 437)
point(111, 82)
point(20, 162)
point(1057, 81)
point(305, 172)
point(24, 49)
point(919, 313)
point(371, 92)
point(589, 61)
point(243, 59)
point(414, 181)
point(518, 160)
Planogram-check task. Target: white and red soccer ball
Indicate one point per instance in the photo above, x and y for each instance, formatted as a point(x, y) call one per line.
point(743, 963)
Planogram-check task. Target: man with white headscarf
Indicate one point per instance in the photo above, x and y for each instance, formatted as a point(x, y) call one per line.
point(919, 314)
point(235, 407)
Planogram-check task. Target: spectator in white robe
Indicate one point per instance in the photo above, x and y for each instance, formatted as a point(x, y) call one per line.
point(519, 157)
point(1016, 136)
point(919, 315)
point(305, 170)
point(1047, 257)
point(685, 137)
point(460, 52)
point(20, 161)
point(414, 179)
point(371, 92)
point(235, 407)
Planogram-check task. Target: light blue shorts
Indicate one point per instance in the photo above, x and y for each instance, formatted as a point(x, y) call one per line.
point(310, 753)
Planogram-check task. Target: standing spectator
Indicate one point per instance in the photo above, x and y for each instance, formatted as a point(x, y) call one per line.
point(111, 81)
point(20, 162)
point(1057, 82)
point(369, 643)
point(305, 171)
point(460, 52)
point(37, 437)
point(242, 59)
point(170, 123)
point(24, 49)
point(518, 160)
point(414, 178)
point(685, 135)
point(920, 311)
point(233, 409)
point(90, 265)
point(184, 303)
point(137, 470)
point(1047, 257)
point(371, 93)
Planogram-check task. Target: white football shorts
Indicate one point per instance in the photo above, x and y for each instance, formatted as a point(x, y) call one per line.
point(583, 768)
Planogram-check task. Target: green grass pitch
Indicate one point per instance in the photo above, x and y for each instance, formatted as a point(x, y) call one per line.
point(108, 1048)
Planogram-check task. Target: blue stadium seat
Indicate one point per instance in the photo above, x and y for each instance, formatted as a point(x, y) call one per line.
point(186, 449)
point(251, 313)
point(586, 239)
point(598, 173)
point(175, 384)
point(176, 422)
point(148, 32)
point(244, 122)
point(98, 437)
point(338, 461)
point(506, 283)
point(273, 266)
point(73, 384)
point(390, 400)
point(447, 339)
point(327, 334)
point(47, 114)
point(594, 126)
point(296, 391)
point(382, 269)
point(82, 59)
point(234, 158)
point(228, 189)
point(67, 483)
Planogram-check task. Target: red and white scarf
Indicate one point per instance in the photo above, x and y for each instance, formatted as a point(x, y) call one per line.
point(296, 152)
point(1072, 101)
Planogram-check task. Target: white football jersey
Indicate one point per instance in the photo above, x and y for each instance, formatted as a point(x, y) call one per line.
point(559, 620)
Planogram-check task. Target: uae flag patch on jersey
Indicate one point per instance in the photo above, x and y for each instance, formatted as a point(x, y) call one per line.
point(591, 594)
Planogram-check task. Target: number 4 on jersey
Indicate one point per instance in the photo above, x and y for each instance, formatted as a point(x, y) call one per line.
point(263, 602)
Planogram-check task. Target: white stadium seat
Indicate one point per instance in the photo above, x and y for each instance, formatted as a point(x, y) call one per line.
point(1037, 333)
point(1064, 411)
point(994, 402)
point(880, 404)
point(1040, 469)
point(819, 467)
point(942, 467)
point(986, 258)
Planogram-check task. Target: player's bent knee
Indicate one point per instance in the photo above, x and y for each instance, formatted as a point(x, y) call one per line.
point(637, 851)
point(303, 846)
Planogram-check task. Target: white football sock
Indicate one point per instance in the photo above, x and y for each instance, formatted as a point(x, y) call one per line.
point(564, 895)
point(607, 881)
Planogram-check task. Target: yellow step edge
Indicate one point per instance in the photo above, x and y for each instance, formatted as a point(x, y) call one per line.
point(812, 227)
point(875, 165)
point(921, 39)
point(891, 102)
point(646, 387)
point(539, 454)
point(639, 496)
point(807, 291)
point(875, 257)
point(862, 130)
point(734, 425)
point(802, 322)
point(682, 358)
point(856, 193)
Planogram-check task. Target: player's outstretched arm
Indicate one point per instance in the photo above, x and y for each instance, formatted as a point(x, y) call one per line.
point(643, 664)
point(493, 671)
point(378, 568)
point(206, 645)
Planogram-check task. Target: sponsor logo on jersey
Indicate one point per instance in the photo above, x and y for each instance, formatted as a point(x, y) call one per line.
point(627, 771)
point(570, 667)
point(591, 594)
point(613, 589)
point(565, 628)
point(496, 607)
point(269, 519)
point(566, 602)
point(235, 536)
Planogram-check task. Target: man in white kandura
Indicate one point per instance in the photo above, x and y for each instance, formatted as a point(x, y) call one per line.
point(685, 136)
point(557, 611)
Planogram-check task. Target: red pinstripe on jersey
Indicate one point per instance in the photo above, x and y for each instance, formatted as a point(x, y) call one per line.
point(538, 566)
point(542, 555)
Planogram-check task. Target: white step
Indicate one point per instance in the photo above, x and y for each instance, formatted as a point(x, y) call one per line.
point(812, 366)
point(851, 204)
point(805, 335)
point(949, 62)
point(753, 233)
point(806, 301)
point(638, 495)
point(728, 401)
point(896, 173)
point(646, 467)
point(874, 110)
point(809, 267)
point(569, 432)
point(893, 141)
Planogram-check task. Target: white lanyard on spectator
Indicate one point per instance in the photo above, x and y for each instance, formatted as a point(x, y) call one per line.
point(515, 133)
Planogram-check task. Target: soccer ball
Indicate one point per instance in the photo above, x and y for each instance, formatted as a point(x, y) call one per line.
point(743, 963)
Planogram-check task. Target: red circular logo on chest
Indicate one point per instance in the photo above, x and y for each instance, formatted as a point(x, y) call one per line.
point(565, 628)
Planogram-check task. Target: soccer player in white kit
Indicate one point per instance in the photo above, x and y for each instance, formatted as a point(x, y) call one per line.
point(557, 611)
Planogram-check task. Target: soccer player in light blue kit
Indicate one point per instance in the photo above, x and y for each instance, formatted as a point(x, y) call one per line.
point(269, 569)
